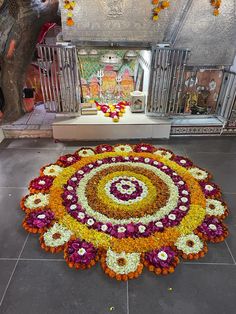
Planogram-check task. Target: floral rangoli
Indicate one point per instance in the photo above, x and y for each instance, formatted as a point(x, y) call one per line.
point(126, 207)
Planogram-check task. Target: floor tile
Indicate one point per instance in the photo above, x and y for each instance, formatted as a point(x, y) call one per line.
point(230, 200)
point(210, 144)
point(217, 253)
point(19, 166)
point(43, 143)
point(222, 166)
point(231, 240)
point(12, 235)
point(51, 287)
point(203, 289)
point(33, 250)
point(6, 268)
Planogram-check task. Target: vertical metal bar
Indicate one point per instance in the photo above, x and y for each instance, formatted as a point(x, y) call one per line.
point(180, 92)
point(163, 86)
point(172, 86)
point(152, 79)
point(55, 54)
point(54, 104)
point(62, 80)
point(169, 78)
point(179, 64)
point(46, 49)
point(158, 82)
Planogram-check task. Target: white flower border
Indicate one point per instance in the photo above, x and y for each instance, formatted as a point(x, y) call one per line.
point(182, 246)
point(29, 202)
point(56, 228)
point(218, 210)
point(132, 262)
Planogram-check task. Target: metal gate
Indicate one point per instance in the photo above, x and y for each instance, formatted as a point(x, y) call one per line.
point(166, 80)
point(59, 76)
point(226, 105)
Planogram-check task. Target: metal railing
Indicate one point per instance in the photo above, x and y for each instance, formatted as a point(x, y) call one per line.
point(166, 80)
point(59, 76)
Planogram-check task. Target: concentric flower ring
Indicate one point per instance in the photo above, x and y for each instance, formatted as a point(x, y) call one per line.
point(127, 207)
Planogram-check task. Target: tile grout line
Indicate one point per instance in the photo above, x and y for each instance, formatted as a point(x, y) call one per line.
point(218, 264)
point(13, 271)
point(127, 295)
point(230, 252)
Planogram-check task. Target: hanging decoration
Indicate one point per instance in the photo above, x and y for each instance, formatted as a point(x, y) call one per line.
point(126, 207)
point(161, 5)
point(69, 6)
point(216, 5)
point(158, 7)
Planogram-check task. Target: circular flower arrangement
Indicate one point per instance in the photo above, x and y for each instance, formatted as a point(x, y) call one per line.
point(126, 207)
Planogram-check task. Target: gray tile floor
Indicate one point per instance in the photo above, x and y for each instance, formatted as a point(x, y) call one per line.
point(32, 280)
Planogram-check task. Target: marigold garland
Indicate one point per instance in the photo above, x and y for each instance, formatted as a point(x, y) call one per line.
point(125, 206)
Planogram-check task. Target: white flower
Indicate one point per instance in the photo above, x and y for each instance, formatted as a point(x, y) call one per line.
point(121, 229)
point(214, 207)
point(189, 244)
point(73, 207)
point(53, 170)
point(113, 159)
point(181, 182)
point(163, 153)
point(80, 172)
point(74, 179)
point(90, 221)
point(141, 229)
point(90, 166)
point(42, 182)
point(38, 200)
point(70, 188)
point(81, 215)
point(162, 255)
point(185, 192)
point(159, 224)
point(69, 197)
point(143, 148)
point(164, 167)
point(49, 239)
point(147, 160)
point(198, 174)
point(183, 208)
point(172, 216)
point(123, 148)
point(136, 158)
point(184, 199)
point(104, 228)
point(183, 162)
point(85, 152)
point(99, 162)
point(209, 187)
point(212, 227)
point(81, 251)
point(104, 149)
point(41, 216)
point(132, 261)
point(155, 163)
point(70, 159)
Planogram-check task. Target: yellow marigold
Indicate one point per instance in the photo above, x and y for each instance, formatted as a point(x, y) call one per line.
point(155, 17)
point(165, 4)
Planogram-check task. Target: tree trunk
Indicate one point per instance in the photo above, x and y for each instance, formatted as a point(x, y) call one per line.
point(23, 21)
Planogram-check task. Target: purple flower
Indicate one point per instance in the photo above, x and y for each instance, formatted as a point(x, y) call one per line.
point(40, 219)
point(81, 252)
point(162, 258)
point(211, 227)
point(42, 183)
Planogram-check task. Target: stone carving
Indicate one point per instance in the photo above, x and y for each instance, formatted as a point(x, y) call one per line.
point(114, 8)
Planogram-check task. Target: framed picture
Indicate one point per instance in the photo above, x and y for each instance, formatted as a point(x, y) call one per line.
point(139, 78)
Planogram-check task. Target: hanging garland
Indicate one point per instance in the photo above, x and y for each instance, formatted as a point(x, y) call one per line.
point(216, 5)
point(158, 7)
point(69, 6)
point(161, 5)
